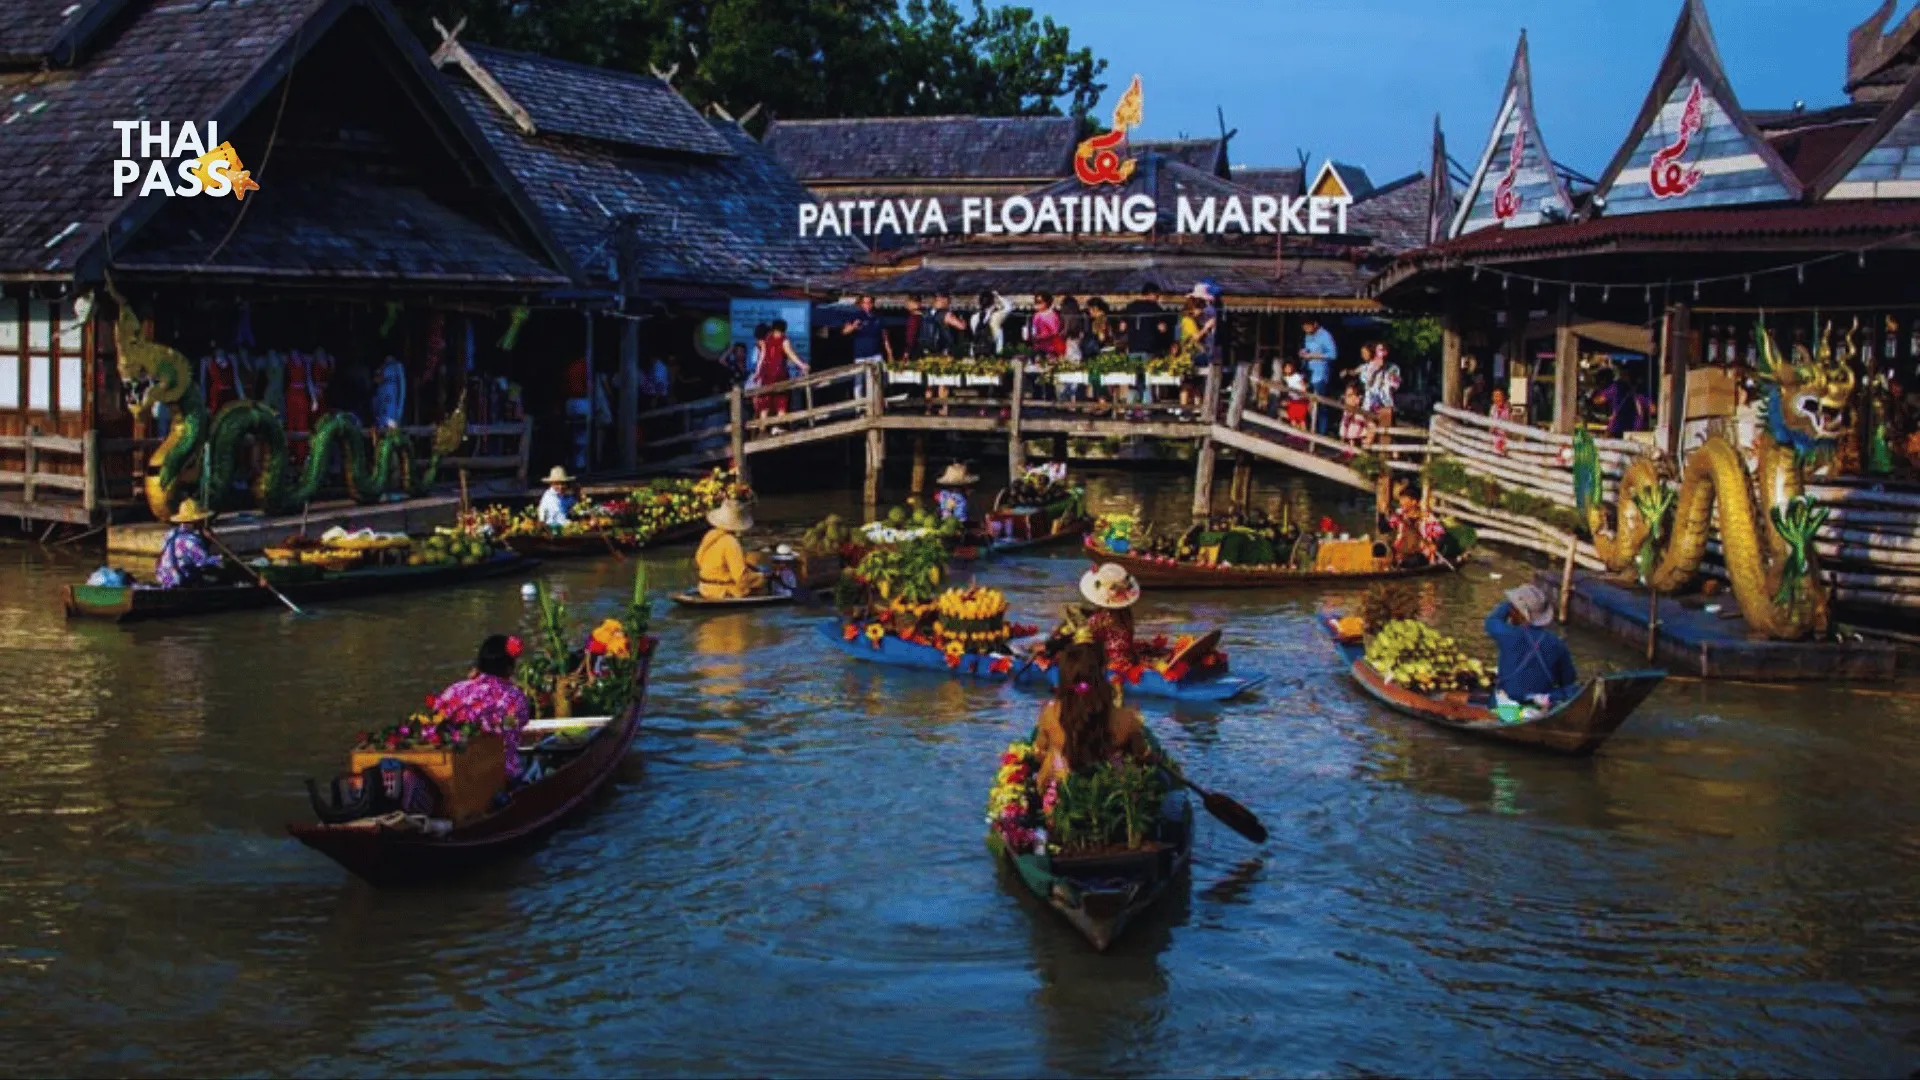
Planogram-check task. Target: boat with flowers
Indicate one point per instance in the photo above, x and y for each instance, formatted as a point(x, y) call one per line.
point(1577, 725)
point(665, 511)
point(575, 756)
point(1036, 510)
point(1101, 849)
point(1258, 552)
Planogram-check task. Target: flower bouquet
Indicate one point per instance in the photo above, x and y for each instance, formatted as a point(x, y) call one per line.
point(599, 677)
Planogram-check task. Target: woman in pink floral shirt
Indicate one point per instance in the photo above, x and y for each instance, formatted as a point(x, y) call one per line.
point(488, 697)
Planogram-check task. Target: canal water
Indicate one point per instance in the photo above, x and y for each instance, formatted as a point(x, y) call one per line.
point(789, 877)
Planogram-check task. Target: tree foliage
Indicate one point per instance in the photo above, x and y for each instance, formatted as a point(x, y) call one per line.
point(804, 58)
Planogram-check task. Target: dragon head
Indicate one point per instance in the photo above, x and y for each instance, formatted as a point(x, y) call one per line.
point(152, 373)
point(1807, 393)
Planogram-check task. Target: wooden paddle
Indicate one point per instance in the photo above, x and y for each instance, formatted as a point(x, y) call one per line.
point(257, 576)
point(1228, 812)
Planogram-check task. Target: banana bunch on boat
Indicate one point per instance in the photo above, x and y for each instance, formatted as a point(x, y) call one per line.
point(973, 603)
point(974, 617)
point(1417, 656)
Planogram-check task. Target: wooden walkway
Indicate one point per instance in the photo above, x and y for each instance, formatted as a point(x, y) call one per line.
point(847, 403)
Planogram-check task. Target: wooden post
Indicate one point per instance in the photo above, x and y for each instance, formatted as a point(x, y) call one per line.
point(526, 450)
point(876, 441)
point(1016, 442)
point(1450, 350)
point(33, 461)
point(1203, 480)
point(628, 416)
point(1566, 371)
point(90, 465)
point(737, 430)
point(1566, 579)
point(466, 503)
point(1237, 402)
point(919, 484)
point(1241, 487)
point(1211, 401)
point(1676, 346)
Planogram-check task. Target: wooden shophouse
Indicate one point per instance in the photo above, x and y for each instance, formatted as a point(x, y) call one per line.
point(1710, 216)
point(384, 222)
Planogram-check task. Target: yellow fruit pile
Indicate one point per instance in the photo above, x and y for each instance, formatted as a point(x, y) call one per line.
point(973, 603)
point(974, 617)
point(1421, 658)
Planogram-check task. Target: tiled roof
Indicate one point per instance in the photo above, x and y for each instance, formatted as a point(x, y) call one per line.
point(1207, 155)
point(1394, 216)
point(710, 220)
point(1271, 179)
point(925, 147)
point(340, 227)
point(33, 31)
point(57, 142)
point(597, 103)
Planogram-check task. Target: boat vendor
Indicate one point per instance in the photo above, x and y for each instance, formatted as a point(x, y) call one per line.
point(187, 558)
point(1535, 666)
point(726, 571)
point(952, 497)
point(488, 697)
point(1414, 533)
point(1082, 727)
point(1112, 592)
point(559, 500)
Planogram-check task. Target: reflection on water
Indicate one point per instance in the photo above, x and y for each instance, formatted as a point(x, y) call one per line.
point(789, 877)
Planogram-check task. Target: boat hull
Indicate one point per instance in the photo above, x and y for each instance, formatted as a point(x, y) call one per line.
point(390, 857)
point(1578, 726)
point(1161, 575)
point(1101, 895)
point(897, 653)
point(136, 605)
point(599, 543)
point(1076, 530)
point(692, 599)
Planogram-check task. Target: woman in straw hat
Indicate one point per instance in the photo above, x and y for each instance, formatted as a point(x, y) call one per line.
point(726, 573)
point(952, 497)
point(186, 558)
point(559, 499)
point(1534, 663)
point(1112, 592)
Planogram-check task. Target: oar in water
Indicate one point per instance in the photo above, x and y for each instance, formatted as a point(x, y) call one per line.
point(257, 576)
point(1228, 812)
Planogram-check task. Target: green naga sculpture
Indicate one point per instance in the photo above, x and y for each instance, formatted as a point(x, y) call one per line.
point(163, 375)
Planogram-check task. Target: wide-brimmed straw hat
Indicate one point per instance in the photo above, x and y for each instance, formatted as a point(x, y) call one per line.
point(189, 513)
point(957, 475)
point(1110, 586)
point(558, 475)
point(1532, 603)
point(731, 516)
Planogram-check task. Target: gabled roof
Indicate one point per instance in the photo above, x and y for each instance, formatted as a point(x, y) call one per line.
point(219, 62)
point(1883, 159)
point(562, 98)
point(723, 221)
point(1035, 148)
point(1161, 177)
point(1441, 204)
point(1878, 64)
point(1339, 180)
point(1516, 182)
point(1394, 216)
point(1207, 155)
point(1708, 152)
point(51, 32)
point(1277, 180)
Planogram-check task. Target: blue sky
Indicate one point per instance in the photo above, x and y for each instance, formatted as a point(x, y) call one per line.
point(1360, 80)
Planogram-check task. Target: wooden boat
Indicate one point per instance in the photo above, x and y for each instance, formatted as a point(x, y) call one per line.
point(692, 599)
point(1100, 894)
point(1577, 726)
point(578, 545)
point(1072, 530)
point(895, 652)
point(389, 856)
point(132, 604)
point(1182, 575)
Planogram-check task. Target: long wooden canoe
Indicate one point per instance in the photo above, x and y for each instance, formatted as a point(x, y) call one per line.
point(1182, 575)
point(1577, 726)
point(133, 604)
point(691, 598)
point(894, 652)
point(1100, 894)
point(389, 856)
point(586, 545)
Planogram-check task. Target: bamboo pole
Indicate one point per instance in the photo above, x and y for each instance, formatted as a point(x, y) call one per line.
point(1566, 580)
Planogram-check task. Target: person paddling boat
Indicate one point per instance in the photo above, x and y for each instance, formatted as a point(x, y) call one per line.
point(187, 558)
point(1535, 666)
point(726, 571)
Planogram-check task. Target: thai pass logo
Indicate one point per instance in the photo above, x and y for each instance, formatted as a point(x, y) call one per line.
point(204, 167)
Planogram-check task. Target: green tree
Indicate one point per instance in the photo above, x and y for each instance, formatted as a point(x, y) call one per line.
point(805, 58)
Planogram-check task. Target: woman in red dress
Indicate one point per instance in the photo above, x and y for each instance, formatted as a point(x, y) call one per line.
point(778, 362)
point(222, 377)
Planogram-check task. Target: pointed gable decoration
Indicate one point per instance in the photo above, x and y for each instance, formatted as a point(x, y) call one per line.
point(1440, 199)
point(1515, 183)
point(1883, 162)
point(1329, 184)
point(1692, 145)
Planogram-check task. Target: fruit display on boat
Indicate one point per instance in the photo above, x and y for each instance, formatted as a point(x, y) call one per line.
point(635, 517)
point(975, 617)
point(912, 521)
point(452, 546)
point(1415, 655)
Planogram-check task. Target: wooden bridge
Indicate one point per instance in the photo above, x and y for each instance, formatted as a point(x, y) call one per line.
point(868, 403)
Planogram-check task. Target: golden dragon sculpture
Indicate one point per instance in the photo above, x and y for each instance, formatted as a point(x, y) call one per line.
point(1767, 521)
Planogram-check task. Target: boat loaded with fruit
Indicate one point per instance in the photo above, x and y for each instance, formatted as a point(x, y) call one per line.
point(1284, 544)
point(496, 760)
point(897, 609)
point(1397, 659)
point(1038, 507)
point(336, 565)
point(663, 511)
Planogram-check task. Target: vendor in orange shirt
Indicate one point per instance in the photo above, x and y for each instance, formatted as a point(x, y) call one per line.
point(726, 570)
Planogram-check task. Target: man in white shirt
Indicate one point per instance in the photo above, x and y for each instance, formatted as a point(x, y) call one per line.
point(558, 501)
